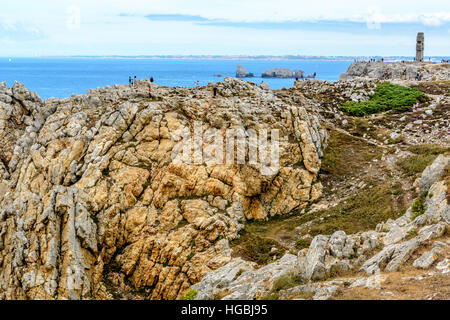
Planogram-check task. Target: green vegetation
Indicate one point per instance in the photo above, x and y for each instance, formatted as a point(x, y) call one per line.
point(272, 296)
point(190, 295)
point(286, 282)
point(360, 212)
point(255, 248)
point(387, 96)
point(346, 154)
point(418, 208)
point(302, 244)
point(411, 234)
point(425, 154)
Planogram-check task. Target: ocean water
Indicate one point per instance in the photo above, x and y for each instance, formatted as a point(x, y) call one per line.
point(62, 77)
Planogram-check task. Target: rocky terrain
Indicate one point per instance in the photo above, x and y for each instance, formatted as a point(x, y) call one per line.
point(93, 207)
point(329, 256)
point(406, 70)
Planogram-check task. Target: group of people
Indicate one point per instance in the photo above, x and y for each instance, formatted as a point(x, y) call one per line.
point(133, 82)
point(445, 61)
point(370, 60)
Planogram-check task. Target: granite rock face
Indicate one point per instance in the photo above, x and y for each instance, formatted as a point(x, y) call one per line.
point(92, 205)
point(398, 71)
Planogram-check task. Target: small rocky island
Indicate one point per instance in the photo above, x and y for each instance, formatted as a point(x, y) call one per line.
point(241, 72)
point(282, 73)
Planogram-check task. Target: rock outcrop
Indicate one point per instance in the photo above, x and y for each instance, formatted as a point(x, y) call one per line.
point(339, 253)
point(241, 72)
point(93, 207)
point(398, 71)
point(282, 73)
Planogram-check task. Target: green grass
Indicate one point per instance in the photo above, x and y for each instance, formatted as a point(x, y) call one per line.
point(418, 208)
point(346, 154)
point(425, 154)
point(190, 295)
point(360, 212)
point(302, 244)
point(286, 282)
point(428, 149)
point(387, 96)
point(255, 248)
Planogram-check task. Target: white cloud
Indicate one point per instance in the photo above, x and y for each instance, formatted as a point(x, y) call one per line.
point(95, 27)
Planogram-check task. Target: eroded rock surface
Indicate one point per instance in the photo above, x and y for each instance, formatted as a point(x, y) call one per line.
point(92, 206)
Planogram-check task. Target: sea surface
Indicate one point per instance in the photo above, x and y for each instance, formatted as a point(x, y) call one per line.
point(62, 77)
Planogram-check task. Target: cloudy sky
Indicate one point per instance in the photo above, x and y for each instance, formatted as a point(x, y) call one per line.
point(222, 27)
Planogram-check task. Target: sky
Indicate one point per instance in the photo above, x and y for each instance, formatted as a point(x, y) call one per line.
point(222, 27)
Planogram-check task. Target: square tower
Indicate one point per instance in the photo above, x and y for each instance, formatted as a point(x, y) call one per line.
point(420, 47)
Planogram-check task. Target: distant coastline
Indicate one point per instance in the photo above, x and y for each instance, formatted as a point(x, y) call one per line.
point(238, 57)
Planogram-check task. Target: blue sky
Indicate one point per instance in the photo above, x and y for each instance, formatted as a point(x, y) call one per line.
point(223, 27)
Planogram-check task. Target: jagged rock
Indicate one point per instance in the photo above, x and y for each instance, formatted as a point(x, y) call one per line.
point(372, 282)
point(432, 173)
point(89, 193)
point(214, 282)
point(264, 85)
point(427, 258)
point(241, 72)
point(248, 285)
point(444, 266)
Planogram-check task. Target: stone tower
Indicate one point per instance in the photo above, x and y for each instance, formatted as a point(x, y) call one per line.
point(420, 46)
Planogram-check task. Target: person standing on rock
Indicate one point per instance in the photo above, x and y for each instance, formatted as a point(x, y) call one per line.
point(134, 83)
point(215, 91)
point(130, 81)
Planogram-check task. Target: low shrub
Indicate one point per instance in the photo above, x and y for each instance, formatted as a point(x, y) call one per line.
point(387, 97)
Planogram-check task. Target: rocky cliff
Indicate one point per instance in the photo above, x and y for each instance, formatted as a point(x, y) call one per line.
point(398, 71)
point(93, 207)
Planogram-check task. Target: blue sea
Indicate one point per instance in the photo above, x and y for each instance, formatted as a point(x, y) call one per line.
point(62, 77)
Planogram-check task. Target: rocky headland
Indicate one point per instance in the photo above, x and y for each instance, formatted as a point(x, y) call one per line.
point(407, 70)
point(92, 206)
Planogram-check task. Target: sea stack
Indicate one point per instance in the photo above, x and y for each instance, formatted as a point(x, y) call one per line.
point(420, 46)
